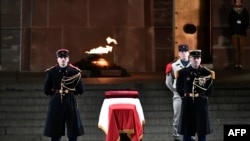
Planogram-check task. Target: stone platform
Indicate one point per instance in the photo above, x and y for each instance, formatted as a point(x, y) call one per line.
point(223, 78)
point(23, 106)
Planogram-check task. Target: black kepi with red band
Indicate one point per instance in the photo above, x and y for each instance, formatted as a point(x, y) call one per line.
point(195, 53)
point(62, 53)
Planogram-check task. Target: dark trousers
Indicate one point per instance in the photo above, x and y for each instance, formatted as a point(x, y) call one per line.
point(58, 138)
point(189, 138)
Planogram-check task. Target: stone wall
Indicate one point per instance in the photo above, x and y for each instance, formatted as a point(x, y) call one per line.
point(32, 30)
point(79, 25)
point(220, 41)
point(164, 51)
point(10, 17)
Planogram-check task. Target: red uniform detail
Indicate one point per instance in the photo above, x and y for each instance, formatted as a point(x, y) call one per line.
point(74, 67)
point(168, 68)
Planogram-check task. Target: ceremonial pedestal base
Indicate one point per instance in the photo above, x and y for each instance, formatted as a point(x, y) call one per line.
point(122, 119)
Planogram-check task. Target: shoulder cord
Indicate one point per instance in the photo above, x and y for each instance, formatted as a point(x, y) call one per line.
point(202, 80)
point(69, 80)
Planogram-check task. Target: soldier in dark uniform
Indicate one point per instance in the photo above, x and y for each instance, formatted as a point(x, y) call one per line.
point(194, 84)
point(63, 84)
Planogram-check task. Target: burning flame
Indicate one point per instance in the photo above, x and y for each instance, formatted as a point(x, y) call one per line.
point(101, 62)
point(100, 50)
point(110, 40)
point(103, 50)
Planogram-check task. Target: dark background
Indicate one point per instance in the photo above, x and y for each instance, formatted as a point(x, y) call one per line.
point(32, 30)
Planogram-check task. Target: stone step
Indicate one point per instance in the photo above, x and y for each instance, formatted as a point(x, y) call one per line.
point(18, 122)
point(159, 103)
point(40, 137)
point(39, 130)
point(100, 93)
point(151, 133)
point(23, 112)
point(92, 137)
point(127, 86)
point(38, 85)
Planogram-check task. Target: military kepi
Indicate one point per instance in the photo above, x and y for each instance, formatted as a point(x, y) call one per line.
point(195, 53)
point(62, 53)
point(183, 47)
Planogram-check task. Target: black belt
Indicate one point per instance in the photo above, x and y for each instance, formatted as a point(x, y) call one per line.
point(63, 91)
point(194, 94)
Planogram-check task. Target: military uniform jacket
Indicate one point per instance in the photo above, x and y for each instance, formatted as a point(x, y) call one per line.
point(194, 86)
point(63, 109)
point(171, 69)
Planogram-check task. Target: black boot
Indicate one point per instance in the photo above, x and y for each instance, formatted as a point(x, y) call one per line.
point(72, 138)
point(55, 138)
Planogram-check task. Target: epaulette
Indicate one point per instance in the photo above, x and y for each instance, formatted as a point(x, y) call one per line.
point(169, 68)
point(50, 68)
point(212, 73)
point(176, 74)
point(75, 67)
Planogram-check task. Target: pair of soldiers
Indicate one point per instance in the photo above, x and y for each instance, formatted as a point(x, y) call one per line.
point(191, 84)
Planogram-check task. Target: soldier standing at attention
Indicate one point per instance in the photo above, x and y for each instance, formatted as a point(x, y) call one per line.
point(194, 84)
point(171, 68)
point(63, 84)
